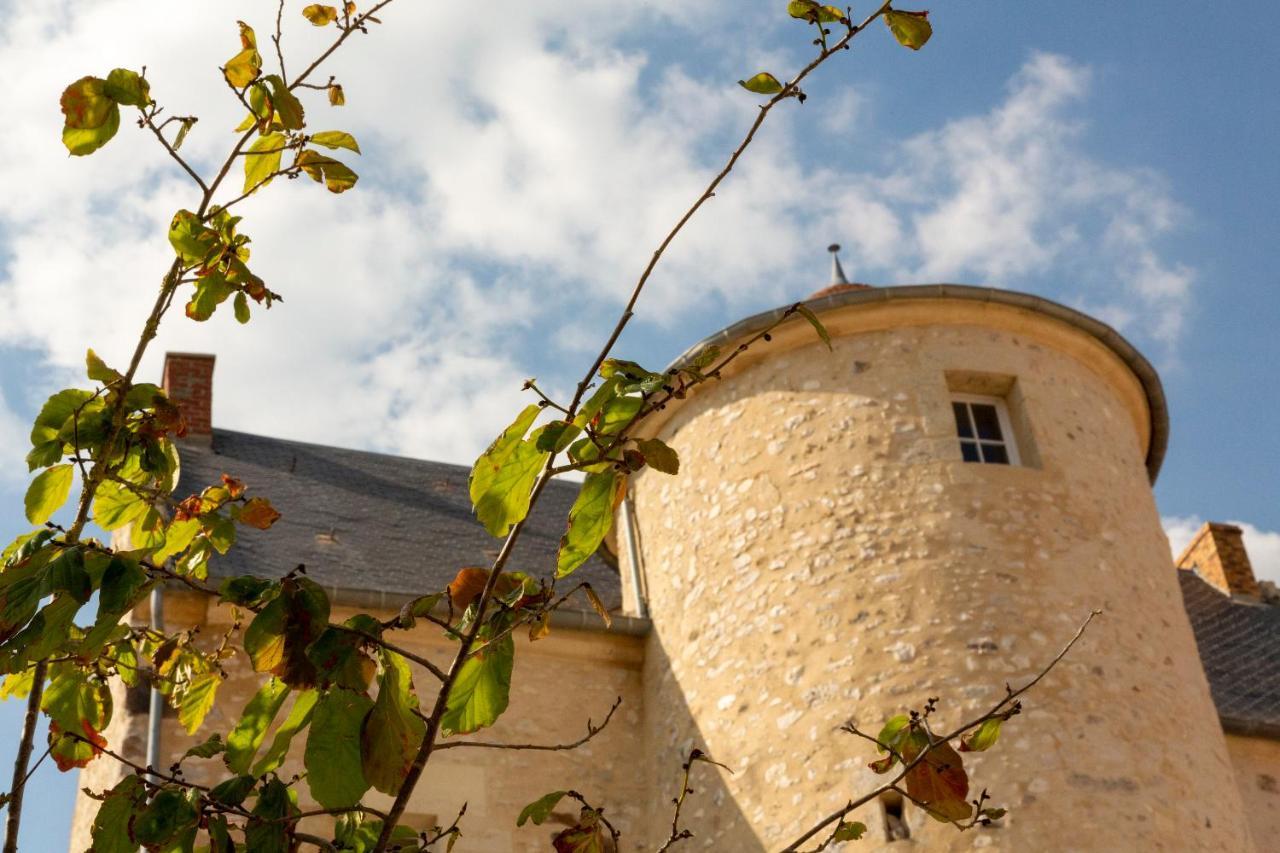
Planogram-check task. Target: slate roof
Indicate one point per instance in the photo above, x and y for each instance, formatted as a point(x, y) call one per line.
point(1240, 649)
point(377, 528)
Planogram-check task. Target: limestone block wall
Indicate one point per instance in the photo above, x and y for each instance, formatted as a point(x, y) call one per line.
point(825, 554)
point(559, 682)
point(1257, 766)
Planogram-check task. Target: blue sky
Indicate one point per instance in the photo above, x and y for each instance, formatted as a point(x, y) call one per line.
point(518, 170)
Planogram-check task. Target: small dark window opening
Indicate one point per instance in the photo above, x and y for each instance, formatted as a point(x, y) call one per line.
point(895, 816)
point(983, 428)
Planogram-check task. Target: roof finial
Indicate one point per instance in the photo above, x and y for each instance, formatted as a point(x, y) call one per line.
point(837, 271)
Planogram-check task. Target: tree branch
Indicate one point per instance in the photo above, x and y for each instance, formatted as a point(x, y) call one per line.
point(592, 731)
point(20, 775)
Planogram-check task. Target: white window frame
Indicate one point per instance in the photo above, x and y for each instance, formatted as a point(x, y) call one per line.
point(1008, 438)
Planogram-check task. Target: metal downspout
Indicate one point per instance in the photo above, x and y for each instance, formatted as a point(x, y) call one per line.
point(633, 555)
point(155, 712)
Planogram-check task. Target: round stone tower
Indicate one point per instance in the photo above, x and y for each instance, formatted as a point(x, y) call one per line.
point(930, 510)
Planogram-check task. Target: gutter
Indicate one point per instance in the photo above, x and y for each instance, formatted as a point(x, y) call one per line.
point(1104, 334)
point(155, 710)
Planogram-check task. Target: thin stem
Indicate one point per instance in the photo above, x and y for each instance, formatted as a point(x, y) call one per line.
point(1010, 697)
point(592, 731)
point(20, 762)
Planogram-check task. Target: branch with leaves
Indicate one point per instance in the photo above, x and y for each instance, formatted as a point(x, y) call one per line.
point(348, 686)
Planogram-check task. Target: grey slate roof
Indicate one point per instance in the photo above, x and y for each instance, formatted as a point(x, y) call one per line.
point(376, 527)
point(1240, 649)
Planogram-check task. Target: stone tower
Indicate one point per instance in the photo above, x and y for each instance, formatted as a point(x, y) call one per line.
point(929, 510)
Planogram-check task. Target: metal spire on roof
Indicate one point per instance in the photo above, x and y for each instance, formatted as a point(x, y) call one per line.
point(837, 271)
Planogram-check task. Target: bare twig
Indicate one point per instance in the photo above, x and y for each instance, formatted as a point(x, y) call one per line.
point(997, 710)
point(592, 731)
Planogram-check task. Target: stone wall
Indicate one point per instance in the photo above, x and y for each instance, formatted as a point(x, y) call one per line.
point(1257, 766)
point(825, 554)
point(559, 683)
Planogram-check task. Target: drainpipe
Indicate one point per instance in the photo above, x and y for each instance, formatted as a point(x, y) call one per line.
point(633, 555)
point(155, 712)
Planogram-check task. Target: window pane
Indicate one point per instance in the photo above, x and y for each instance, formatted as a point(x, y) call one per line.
point(962, 420)
point(984, 416)
point(995, 454)
point(969, 451)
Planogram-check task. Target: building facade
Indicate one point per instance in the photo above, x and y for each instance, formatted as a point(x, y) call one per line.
point(929, 509)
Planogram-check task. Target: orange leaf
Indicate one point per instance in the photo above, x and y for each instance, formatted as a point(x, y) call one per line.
point(940, 783)
point(259, 513)
point(467, 586)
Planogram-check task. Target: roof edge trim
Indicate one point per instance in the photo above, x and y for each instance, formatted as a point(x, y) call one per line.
point(1104, 334)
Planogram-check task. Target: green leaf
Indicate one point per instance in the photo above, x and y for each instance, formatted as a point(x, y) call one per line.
point(122, 585)
point(481, 690)
point(805, 312)
point(47, 492)
point(277, 638)
point(168, 814)
point(391, 732)
point(288, 108)
point(597, 401)
point(246, 737)
point(44, 455)
point(335, 175)
point(191, 239)
point(911, 29)
point(208, 748)
point(658, 456)
point(233, 791)
point(184, 127)
point(555, 436)
point(540, 809)
point(503, 476)
point(115, 505)
point(210, 292)
point(763, 83)
point(91, 117)
point(75, 704)
point(894, 731)
point(98, 370)
point(128, 88)
point(243, 590)
point(320, 15)
point(982, 738)
point(242, 308)
point(589, 520)
point(110, 831)
point(262, 160)
point(332, 757)
point(849, 831)
point(299, 718)
point(55, 413)
point(195, 697)
point(268, 831)
point(339, 661)
point(336, 139)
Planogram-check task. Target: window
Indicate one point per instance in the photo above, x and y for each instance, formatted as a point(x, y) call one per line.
point(982, 424)
point(895, 817)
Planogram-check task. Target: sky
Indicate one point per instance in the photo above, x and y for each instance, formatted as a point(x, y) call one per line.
point(519, 167)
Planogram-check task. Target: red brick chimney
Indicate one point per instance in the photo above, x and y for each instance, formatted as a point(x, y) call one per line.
point(1217, 553)
point(188, 381)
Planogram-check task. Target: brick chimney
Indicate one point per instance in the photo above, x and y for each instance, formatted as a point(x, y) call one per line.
point(188, 381)
point(1217, 553)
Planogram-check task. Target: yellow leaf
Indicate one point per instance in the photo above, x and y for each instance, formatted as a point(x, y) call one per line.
point(336, 96)
point(320, 15)
point(911, 29)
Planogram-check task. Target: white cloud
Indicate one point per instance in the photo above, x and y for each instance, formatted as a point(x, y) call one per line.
point(1263, 546)
point(516, 180)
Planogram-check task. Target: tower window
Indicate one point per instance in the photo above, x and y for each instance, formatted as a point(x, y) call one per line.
point(982, 424)
point(895, 816)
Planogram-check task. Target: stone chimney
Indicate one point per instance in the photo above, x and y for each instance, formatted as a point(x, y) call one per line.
point(188, 381)
point(1217, 553)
